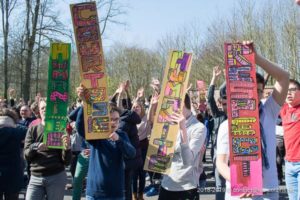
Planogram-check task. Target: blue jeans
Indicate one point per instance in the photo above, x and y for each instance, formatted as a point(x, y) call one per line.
point(220, 183)
point(102, 198)
point(292, 179)
point(52, 186)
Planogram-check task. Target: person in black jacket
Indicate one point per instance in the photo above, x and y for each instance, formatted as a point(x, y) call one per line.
point(219, 115)
point(47, 166)
point(128, 121)
point(11, 172)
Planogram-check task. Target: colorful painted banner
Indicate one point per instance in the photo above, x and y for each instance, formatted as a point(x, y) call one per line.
point(58, 95)
point(243, 120)
point(164, 133)
point(92, 70)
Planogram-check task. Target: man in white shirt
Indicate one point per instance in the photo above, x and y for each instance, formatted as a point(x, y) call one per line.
point(183, 179)
point(271, 108)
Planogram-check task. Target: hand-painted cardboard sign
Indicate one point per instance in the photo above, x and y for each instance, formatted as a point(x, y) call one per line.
point(58, 95)
point(243, 120)
point(92, 70)
point(164, 132)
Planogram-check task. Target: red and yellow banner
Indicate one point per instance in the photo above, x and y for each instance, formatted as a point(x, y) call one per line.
point(243, 120)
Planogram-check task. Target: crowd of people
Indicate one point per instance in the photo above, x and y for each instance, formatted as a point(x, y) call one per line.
point(113, 168)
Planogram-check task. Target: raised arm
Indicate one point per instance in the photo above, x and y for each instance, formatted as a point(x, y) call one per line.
point(280, 75)
point(152, 107)
point(211, 91)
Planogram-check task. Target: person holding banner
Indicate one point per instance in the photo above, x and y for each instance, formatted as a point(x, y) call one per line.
point(47, 166)
point(186, 167)
point(106, 168)
point(290, 114)
point(219, 116)
point(270, 110)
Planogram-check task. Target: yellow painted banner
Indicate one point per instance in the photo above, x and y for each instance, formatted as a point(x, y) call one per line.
point(92, 70)
point(164, 133)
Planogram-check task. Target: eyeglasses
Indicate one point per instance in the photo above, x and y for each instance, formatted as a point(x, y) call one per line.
point(115, 119)
point(259, 91)
point(292, 89)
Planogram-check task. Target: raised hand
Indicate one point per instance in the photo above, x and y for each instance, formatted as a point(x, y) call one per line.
point(140, 93)
point(217, 72)
point(126, 85)
point(178, 118)
point(42, 147)
point(154, 99)
point(82, 92)
point(114, 136)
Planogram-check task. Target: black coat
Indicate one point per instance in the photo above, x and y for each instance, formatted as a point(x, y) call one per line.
point(11, 171)
point(128, 121)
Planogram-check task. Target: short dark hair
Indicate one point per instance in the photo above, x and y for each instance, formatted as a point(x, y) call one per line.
point(260, 79)
point(295, 82)
point(115, 109)
point(187, 101)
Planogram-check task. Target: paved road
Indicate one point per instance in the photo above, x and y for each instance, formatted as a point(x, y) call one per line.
point(207, 194)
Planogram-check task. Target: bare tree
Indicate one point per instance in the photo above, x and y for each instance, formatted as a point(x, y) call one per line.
point(31, 24)
point(6, 8)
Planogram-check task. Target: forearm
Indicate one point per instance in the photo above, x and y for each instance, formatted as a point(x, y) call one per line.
point(271, 68)
point(282, 78)
point(119, 101)
point(151, 113)
point(213, 81)
point(223, 167)
point(212, 102)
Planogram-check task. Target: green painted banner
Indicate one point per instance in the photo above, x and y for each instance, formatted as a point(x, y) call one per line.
point(57, 95)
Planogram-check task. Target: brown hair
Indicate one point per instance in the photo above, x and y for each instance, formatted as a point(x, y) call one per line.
point(9, 113)
point(187, 101)
point(293, 81)
point(139, 103)
point(260, 79)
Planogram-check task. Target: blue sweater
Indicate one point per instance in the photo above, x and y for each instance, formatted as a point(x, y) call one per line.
point(106, 167)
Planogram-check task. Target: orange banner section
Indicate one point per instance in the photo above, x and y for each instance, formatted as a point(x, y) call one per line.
point(92, 70)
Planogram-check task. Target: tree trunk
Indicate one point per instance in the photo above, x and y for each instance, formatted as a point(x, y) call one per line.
point(30, 38)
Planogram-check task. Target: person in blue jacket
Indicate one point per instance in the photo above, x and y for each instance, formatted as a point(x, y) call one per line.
point(11, 172)
point(106, 168)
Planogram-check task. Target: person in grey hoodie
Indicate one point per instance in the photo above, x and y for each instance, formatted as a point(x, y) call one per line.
point(186, 167)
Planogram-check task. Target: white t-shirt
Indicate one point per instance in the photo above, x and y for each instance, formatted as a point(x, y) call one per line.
point(268, 119)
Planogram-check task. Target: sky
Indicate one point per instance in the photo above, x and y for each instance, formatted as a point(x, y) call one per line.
point(147, 21)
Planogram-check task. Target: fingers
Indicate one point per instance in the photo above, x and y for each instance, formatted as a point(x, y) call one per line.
point(86, 152)
point(246, 195)
point(114, 136)
point(42, 147)
point(66, 141)
point(247, 42)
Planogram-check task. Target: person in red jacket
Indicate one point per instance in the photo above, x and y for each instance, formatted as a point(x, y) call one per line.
point(290, 115)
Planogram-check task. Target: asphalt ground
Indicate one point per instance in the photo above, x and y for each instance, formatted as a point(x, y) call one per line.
point(205, 194)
